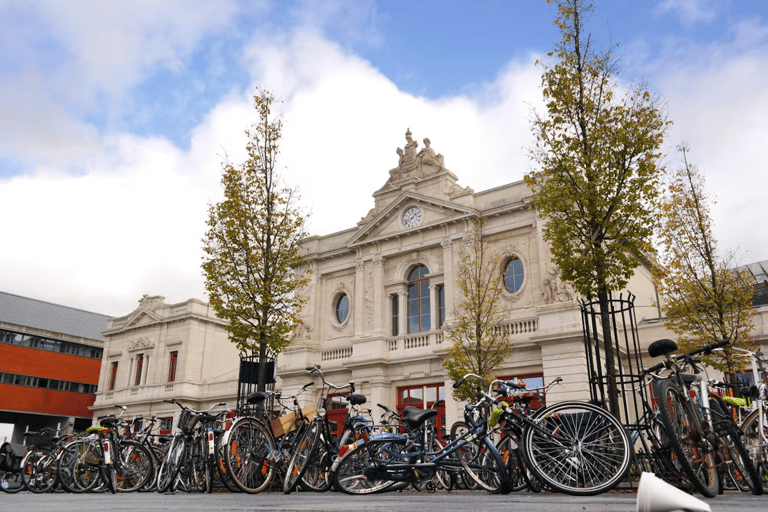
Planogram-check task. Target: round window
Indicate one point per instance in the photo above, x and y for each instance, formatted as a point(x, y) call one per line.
point(342, 308)
point(513, 275)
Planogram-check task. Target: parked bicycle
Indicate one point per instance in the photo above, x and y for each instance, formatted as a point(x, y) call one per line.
point(754, 402)
point(102, 455)
point(702, 434)
point(573, 447)
point(39, 465)
point(191, 458)
point(310, 463)
point(257, 450)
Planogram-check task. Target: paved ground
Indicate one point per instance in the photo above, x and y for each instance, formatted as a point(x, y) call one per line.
point(415, 501)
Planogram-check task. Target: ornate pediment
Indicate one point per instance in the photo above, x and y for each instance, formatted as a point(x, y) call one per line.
point(409, 213)
point(140, 344)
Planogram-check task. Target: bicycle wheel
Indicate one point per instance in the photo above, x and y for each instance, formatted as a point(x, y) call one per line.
point(109, 477)
point(249, 447)
point(577, 448)
point(458, 430)
point(171, 465)
point(688, 438)
point(353, 473)
point(134, 468)
point(510, 454)
point(39, 471)
point(317, 477)
point(302, 452)
point(12, 481)
point(78, 465)
point(483, 464)
point(739, 465)
point(221, 468)
point(756, 443)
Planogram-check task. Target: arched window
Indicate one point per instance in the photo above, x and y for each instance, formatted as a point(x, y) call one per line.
point(513, 275)
point(342, 308)
point(418, 300)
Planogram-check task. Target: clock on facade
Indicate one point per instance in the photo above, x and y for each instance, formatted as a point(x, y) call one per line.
point(412, 217)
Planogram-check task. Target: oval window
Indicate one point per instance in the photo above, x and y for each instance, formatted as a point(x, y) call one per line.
point(342, 308)
point(513, 275)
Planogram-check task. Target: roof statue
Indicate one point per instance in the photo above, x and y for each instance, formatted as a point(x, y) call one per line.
point(414, 164)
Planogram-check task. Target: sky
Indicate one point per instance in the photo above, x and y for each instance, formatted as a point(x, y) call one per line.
point(116, 117)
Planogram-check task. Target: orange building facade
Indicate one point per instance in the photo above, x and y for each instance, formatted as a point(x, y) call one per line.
point(50, 358)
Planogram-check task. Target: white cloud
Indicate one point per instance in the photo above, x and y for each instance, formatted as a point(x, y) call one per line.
point(689, 11)
point(717, 101)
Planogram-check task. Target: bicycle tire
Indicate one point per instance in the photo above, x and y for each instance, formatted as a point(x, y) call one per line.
point(741, 469)
point(39, 471)
point(350, 475)
point(109, 477)
point(209, 476)
point(686, 435)
point(317, 477)
point(12, 482)
point(302, 451)
point(171, 465)
point(510, 454)
point(484, 465)
point(78, 466)
point(135, 467)
point(459, 429)
point(577, 448)
point(221, 466)
point(249, 447)
point(755, 443)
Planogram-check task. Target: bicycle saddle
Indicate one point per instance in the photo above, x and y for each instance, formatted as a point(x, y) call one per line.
point(661, 348)
point(109, 421)
point(416, 417)
point(257, 397)
point(356, 399)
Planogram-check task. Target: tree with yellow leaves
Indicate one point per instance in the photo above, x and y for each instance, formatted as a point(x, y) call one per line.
point(706, 300)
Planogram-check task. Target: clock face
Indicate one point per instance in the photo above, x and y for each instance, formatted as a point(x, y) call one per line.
point(412, 217)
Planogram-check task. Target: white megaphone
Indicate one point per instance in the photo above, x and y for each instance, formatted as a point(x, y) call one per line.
point(656, 495)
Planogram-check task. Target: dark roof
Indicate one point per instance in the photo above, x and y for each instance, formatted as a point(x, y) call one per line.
point(54, 318)
point(759, 271)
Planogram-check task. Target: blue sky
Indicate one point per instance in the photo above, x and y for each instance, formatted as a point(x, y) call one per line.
point(116, 116)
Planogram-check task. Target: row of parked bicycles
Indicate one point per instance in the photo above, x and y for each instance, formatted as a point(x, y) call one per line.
point(689, 435)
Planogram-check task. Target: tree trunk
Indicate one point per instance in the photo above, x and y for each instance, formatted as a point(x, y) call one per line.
point(262, 386)
point(610, 355)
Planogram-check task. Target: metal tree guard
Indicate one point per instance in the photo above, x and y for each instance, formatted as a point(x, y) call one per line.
point(249, 375)
point(626, 348)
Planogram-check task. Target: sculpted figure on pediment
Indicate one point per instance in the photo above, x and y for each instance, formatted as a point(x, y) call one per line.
point(428, 157)
point(415, 165)
point(151, 302)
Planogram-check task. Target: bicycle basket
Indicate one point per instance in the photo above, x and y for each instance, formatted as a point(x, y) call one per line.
point(187, 421)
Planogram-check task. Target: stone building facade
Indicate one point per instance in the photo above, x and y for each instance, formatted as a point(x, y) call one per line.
point(381, 290)
point(162, 351)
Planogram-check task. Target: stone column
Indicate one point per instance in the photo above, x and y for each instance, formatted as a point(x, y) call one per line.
point(145, 377)
point(359, 305)
point(434, 321)
point(402, 317)
point(449, 279)
point(131, 375)
point(380, 306)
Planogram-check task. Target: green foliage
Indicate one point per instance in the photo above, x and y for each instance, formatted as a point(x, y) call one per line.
point(705, 299)
point(478, 344)
point(251, 248)
point(598, 182)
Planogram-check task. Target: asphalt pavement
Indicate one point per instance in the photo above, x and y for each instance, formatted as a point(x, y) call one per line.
point(332, 501)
